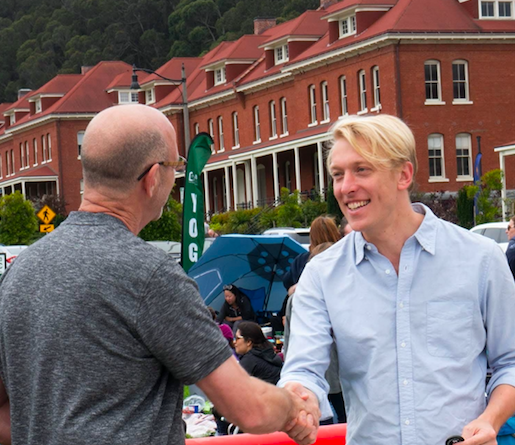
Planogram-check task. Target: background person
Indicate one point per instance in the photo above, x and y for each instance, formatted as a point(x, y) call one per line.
point(236, 307)
point(510, 251)
point(412, 329)
point(256, 353)
point(92, 339)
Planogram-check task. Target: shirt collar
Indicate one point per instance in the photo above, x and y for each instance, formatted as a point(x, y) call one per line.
point(425, 234)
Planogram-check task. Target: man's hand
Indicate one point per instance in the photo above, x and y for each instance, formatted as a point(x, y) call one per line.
point(304, 427)
point(479, 432)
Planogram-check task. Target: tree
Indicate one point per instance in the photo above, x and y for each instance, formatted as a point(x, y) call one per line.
point(18, 222)
point(488, 199)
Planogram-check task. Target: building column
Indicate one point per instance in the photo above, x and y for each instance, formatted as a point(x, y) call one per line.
point(277, 192)
point(248, 183)
point(206, 196)
point(235, 185)
point(227, 189)
point(502, 166)
point(253, 171)
point(321, 178)
point(298, 184)
point(23, 189)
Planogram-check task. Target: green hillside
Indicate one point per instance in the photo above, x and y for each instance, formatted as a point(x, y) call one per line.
point(42, 38)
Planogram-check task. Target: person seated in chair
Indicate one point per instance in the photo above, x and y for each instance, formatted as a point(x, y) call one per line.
point(236, 308)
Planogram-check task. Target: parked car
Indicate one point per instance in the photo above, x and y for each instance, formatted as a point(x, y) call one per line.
point(9, 256)
point(299, 235)
point(495, 231)
point(173, 248)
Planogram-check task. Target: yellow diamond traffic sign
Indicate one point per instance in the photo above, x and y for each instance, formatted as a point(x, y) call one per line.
point(46, 214)
point(46, 228)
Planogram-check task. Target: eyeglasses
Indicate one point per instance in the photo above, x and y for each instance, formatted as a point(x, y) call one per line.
point(228, 287)
point(179, 166)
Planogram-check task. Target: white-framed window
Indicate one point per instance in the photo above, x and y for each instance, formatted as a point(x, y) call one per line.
point(257, 127)
point(464, 156)
point(312, 105)
point(496, 9)
point(27, 154)
point(196, 128)
point(150, 97)
point(80, 139)
point(325, 102)
point(127, 97)
point(460, 81)
point(35, 148)
point(22, 157)
point(347, 26)
point(377, 86)
point(12, 119)
point(38, 107)
point(235, 130)
point(436, 156)
point(343, 96)
point(220, 76)
point(282, 54)
point(43, 150)
point(362, 79)
point(284, 116)
point(433, 81)
point(211, 128)
point(49, 147)
point(273, 120)
point(221, 144)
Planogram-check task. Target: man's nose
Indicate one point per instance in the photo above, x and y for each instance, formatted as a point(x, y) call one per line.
point(347, 184)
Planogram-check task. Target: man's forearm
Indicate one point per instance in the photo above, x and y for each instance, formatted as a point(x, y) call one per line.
point(500, 407)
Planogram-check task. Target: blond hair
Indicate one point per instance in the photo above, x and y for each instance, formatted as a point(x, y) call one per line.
point(383, 140)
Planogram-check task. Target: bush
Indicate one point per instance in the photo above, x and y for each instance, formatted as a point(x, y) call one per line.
point(488, 199)
point(465, 209)
point(166, 228)
point(18, 221)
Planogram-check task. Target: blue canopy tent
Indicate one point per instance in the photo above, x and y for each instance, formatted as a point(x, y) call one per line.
point(254, 263)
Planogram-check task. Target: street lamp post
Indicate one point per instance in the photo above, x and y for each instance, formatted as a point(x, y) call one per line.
point(185, 112)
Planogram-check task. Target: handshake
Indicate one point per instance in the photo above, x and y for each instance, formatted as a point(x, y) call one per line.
point(303, 422)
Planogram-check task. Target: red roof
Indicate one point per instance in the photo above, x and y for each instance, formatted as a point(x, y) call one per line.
point(60, 84)
point(346, 4)
point(41, 171)
point(245, 48)
point(307, 24)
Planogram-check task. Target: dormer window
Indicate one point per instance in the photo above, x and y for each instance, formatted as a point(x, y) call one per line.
point(496, 9)
point(220, 76)
point(347, 26)
point(38, 106)
point(149, 96)
point(127, 97)
point(282, 54)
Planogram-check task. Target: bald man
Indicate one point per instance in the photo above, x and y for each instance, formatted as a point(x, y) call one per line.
point(99, 331)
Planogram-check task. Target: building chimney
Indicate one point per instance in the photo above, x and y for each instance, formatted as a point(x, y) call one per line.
point(22, 92)
point(261, 24)
point(85, 69)
point(324, 4)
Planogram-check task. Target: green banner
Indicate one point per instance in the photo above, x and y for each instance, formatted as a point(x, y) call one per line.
point(193, 207)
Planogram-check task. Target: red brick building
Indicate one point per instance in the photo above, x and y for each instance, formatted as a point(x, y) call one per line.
point(446, 67)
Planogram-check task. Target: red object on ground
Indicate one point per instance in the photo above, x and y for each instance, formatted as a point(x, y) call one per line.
point(327, 435)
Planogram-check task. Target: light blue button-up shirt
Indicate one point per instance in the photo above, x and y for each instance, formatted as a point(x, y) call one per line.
point(411, 346)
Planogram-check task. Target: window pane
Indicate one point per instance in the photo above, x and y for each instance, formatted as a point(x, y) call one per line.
point(504, 9)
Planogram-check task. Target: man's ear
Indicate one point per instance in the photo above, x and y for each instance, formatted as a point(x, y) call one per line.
point(150, 181)
point(405, 176)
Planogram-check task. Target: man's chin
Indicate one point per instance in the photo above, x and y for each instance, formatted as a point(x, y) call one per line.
point(159, 216)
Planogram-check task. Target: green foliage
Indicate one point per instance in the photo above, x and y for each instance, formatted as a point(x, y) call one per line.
point(18, 221)
point(333, 208)
point(41, 38)
point(489, 198)
point(166, 228)
point(311, 209)
point(465, 209)
point(289, 213)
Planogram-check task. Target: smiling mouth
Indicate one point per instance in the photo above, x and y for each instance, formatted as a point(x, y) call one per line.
point(357, 204)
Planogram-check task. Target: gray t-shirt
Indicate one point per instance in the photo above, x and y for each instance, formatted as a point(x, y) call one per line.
point(98, 332)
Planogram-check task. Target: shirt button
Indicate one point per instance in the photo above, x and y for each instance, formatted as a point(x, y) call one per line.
point(387, 271)
point(368, 247)
point(406, 421)
point(403, 344)
point(401, 304)
point(405, 382)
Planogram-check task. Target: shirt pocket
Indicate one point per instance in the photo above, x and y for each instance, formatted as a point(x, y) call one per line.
point(449, 328)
